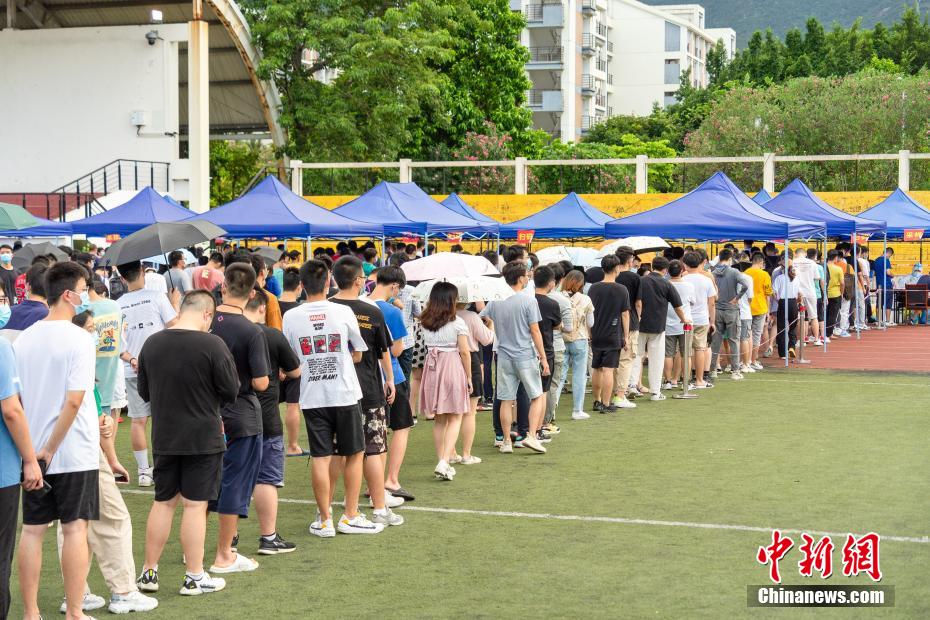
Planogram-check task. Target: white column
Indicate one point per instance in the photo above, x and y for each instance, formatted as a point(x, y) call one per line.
point(198, 114)
point(904, 170)
point(297, 177)
point(404, 175)
point(768, 172)
point(642, 174)
point(520, 176)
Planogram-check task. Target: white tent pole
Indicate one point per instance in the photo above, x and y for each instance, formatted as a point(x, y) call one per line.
point(785, 301)
point(856, 283)
point(880, 293)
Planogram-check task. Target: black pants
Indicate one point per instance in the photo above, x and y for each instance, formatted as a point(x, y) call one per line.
point(523, 413)
point(487, 356)
point(792, 315)
point(833, 313)
point(9, 511)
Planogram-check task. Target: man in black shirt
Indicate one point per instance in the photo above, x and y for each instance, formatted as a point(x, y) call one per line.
point(550, 322)
point(630, 363)
point(242, 421)
point(657, 295)
point(610, 333)
point(376, 393)
point(281, 358)
point(186, 375)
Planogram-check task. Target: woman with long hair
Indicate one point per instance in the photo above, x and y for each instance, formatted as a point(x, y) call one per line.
point(446, 383)
point(478, 336)
point(576, 342)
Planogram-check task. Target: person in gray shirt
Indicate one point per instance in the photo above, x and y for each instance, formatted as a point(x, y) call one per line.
point(176, 278)
point(726, 324)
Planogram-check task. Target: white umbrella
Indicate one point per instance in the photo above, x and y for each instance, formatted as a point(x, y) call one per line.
point(474, 288)
point(447, 265)
point(639, 244)
point(579, 256)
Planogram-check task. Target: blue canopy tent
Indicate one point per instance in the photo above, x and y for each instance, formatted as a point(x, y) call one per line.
point(405, 208)
point(716, 210)
point(145, 208)
point(46, 228)
point(270, 209)
point(454, 201)
point(762, 197)
point(900, 212)
point(572, 216)
point(797, 200)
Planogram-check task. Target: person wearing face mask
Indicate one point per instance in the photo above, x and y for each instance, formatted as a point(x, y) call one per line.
point(55, 360)
point(7, 273)
point(34, 307)
point(144, 312)
point(186, 374)
point(5, 302)
point(788, 294)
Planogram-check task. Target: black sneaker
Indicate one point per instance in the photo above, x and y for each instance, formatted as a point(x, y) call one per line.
point(234, 547)
point(543, 437)
point(274, 546)
point(598, 406)
point(609, 409)
point(148, 581)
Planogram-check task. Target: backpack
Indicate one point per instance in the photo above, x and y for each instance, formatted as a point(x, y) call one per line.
point(117, 287)
point(849, 284)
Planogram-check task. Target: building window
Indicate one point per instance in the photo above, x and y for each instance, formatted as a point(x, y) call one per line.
point(669, 98)
point(672, 37)
point(672, 71)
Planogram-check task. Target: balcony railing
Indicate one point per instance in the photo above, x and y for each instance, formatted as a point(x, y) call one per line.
point(601, 30)
point(533, 12)
point(534, 98)
point(587, 121)
point(610, 78)
point(551, 53)
point(601, 65)
point(588, 41)
point(610, 111)
point(587, 84)
point(600, 100)
point(610, 47)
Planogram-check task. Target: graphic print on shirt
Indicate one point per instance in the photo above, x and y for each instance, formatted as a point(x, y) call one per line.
point(322, 361)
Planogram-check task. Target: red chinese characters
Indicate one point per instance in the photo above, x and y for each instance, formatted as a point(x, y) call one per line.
point(860, 555)
point(817, 557)
point(772, 554)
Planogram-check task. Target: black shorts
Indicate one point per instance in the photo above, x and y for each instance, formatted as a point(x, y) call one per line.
point(477, 377)
point(328, 425)
point(547, 379)
point(375, 431)
point(195, 476)
point(73, 496)
point(289, 391)
point(399, 414)
point(605, 358)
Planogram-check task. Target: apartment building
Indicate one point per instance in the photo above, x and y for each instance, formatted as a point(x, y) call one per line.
point(590, 59)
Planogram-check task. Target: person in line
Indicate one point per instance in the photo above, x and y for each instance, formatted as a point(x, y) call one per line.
point(675, 327)
point(290, 388)
point(576, 342)
point(34, 307)
point(758, 306)
point(835, 290)
point(55, 360)
point(377, 394)
point(745, 324)
point(788, 295)
point(808, 281)
point(176, 278)
point(273, 314)
point(17, 455)
point(326, 337)
point(610, 333)
point(864, 280)
point(657, 295)
point(391, 284)
point(703, 314)
point(108, 326)
point(729, 290)
point(446, 384)
point(7, 273)
point(281, 360)
point(5, 302)
point(627, 375)
point(550, 323)
point(208, 277)
point(558, 348)
point(885, 285)
point(144, 312)
point(519, 355)
point(186, 374)
point(478, 336)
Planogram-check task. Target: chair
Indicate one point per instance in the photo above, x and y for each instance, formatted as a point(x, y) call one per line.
point(916, 299)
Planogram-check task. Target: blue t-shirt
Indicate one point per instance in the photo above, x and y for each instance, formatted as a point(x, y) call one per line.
point(26, 313)
point(394, 319)
point(881, 267)
point(274, 284)
point(11, 465)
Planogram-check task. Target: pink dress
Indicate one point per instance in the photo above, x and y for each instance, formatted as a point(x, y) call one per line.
point(444, 386)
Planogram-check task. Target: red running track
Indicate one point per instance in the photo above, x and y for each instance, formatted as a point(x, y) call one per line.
point(897, 349)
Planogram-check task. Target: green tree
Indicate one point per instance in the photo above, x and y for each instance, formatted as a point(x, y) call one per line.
point(614, 130)
point(232, 166)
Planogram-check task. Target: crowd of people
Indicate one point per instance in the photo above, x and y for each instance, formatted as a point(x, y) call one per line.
point(201, 358)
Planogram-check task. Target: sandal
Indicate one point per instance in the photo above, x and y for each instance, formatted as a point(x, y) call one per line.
point(241, 565)
point(400, 492)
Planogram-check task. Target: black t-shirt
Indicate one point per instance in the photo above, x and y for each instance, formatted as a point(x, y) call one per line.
point(288, 305)
point(8, 278)
point(551, 317)
point(187, 376)
point(610, 301)
point(657, 293)
point(376, 336)
point(280, 356)
point(250, 352)
point(630, 279)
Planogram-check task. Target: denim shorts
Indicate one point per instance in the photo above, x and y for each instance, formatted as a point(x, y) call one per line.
point(510, 374)
point(745, 329)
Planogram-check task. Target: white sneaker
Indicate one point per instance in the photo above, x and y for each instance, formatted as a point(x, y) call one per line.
point(455, 460)
point(736, 376)
point(625, 404)
point(817, 343)
point(358, 525)
point(533, 444)
point(507, 448)
point(134, 601)
point(827, 340)
point(668, 386)
point(747, 368)
point(657, 397)
point(323, 529)
point(205, 585)
point(757, 366)
point(580, 415)
point(91, 602)
point(471, 460)
point(386, 517)
point(389, 500)
point(442, 471)
point(145, 478)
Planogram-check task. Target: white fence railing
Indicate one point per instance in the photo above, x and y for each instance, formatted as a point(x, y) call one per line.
point(642, 162)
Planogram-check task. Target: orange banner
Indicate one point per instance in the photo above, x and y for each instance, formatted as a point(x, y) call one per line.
point(913, 234)
point(454, 237)
point(111, 238)
point(410, 239)
point(525, 236)
point(859, 239)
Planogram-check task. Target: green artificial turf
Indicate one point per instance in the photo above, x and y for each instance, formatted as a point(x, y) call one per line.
point(803, 450)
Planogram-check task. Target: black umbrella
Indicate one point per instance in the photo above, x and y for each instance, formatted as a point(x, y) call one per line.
point(269, 255)
point(160, 238)
point(22, 258)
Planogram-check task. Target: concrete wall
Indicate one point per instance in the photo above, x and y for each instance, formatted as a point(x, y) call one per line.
point(66, 96)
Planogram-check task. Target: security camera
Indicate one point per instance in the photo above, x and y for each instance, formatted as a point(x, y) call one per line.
point(151, 36)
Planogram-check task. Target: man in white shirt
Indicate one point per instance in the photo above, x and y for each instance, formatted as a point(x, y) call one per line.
point(145, 312)
point(808, 279)
point(703, 314)
point(326, 338)
point(674, 327)
point(789, 297)
point(56, 363)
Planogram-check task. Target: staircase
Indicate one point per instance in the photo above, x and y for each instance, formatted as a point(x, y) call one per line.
point(82, 193)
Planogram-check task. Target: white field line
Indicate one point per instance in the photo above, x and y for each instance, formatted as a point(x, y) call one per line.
point(793, 379)
point(596, 519)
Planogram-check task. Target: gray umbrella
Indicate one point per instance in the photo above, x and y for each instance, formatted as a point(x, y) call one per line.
point(269, 255)
point(160, 238)
point(22, 258)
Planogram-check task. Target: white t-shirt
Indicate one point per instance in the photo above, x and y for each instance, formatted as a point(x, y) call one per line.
point(745, 313)
point(145, 313)
point(703, 289)
point(446, 337)
point(54, 358)
point(805, 271)
point(784, 288)
point(673, 326)
point(155, 282)
point(324, 335)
